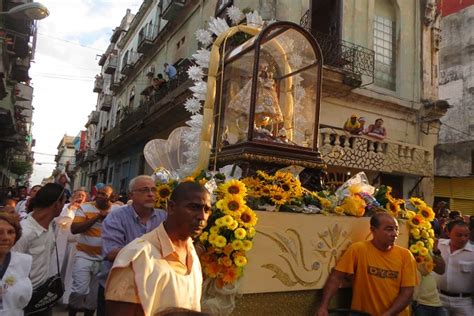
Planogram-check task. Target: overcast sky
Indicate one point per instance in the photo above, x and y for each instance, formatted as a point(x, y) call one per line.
point(63, 71)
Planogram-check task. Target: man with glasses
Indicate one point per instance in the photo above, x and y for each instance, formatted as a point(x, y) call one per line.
point(383, 274)
point(86, 268)
point(127, 223)
point(161, 270)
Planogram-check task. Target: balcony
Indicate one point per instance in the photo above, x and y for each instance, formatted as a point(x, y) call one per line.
point(98, 84)
point(171, 8)
point(23, 92)
point(93, 118)
point(89, 155)
point(146, 37)
point(111, 64)
point(105, 102)
point(20, 69)
point(129, 61)
point(116, 34)
point(365, 153)
point(355, 60)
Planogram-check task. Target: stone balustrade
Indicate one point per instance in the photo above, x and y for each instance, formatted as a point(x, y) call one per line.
point(339, 148)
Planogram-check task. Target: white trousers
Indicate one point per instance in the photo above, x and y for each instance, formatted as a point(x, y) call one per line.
point(457, 306)
point(84, 283)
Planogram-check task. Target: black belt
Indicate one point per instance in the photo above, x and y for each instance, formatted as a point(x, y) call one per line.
point(455, 294)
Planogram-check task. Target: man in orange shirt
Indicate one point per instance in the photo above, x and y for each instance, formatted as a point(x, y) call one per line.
point(384, 275)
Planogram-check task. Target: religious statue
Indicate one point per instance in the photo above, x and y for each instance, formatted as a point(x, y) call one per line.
point(267, 105)
point(268, 113)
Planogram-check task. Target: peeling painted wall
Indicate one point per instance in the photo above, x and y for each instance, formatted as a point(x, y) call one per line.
point(457, 76)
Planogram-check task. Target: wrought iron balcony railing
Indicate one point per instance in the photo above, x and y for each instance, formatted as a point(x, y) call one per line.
point(146, 37)
point(350, 57)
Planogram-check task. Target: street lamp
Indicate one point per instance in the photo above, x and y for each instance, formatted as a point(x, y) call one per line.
point(32, 11)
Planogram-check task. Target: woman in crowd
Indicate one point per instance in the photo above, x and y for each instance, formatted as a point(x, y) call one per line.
point(15, 286)
point(37, 238)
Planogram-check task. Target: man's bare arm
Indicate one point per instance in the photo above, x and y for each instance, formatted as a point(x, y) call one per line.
point(401, 302)
point(123, 308)
point(80, 227)
point(330, 288)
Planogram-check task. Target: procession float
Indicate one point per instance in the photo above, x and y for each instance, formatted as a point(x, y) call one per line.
point(275, 231)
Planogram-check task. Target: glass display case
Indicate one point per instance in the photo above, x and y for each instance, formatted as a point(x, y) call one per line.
point(268, 95)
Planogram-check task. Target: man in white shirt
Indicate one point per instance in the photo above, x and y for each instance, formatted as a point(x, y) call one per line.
point(456, 285)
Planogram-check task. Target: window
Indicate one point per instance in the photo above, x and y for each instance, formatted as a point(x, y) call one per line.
point(384, 40)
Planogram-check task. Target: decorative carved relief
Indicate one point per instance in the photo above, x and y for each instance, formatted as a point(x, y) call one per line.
point(328, 247)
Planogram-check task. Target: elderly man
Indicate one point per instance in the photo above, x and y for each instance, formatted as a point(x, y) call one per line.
point(161, 269)
point(456, 285)
point(88, 223)
point(384, 275)
point(127, 223)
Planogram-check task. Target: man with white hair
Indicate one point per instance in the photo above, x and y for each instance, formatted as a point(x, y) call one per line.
point(127, 223)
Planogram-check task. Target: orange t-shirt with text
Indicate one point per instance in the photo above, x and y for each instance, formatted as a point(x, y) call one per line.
point(378, 275)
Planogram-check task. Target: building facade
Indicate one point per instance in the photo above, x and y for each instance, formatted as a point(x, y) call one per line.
point(17, 47)
point(380, 61)
point(455, 151)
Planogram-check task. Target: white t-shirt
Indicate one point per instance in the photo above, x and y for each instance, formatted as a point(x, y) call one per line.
point(39, 243)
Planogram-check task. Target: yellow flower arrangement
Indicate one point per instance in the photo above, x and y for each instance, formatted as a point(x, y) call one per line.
point(229, 234)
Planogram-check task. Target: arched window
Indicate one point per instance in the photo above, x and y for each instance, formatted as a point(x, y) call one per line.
point(385, 26)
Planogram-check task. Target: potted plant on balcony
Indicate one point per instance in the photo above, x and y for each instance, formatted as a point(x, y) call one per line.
point(20, 167)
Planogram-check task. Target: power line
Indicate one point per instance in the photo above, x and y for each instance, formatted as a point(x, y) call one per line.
point(71, 42)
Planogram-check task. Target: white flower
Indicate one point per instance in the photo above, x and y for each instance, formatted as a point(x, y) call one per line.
point(195, 121)
point(254, 19)
point(202, 57)
point(234, 14)
point(296, 60)
point(199, 90)
point(218, 25)
point(195, 73)
point(204, 37)
point(192, 105)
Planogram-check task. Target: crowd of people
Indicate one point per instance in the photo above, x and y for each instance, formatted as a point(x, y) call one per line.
point(134, 259)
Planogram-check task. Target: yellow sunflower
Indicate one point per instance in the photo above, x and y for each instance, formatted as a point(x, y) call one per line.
point(248, 218)
point(278, 195)
point(163, 191)
point(417, 202)
point(231, 204)
point(416, 221)
point(426, 212)
point(233, 187)
point(393, 208)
